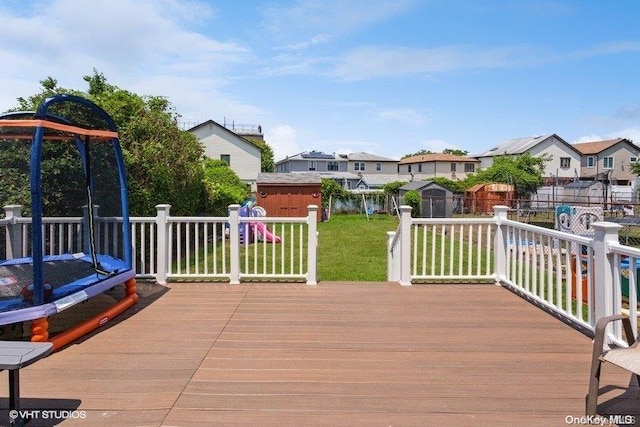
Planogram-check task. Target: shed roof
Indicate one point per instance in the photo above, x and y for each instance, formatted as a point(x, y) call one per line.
point(420, 185)
point(302, 178)
point(380, 179)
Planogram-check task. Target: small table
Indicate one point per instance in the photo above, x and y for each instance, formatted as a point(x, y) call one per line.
point(15, 355)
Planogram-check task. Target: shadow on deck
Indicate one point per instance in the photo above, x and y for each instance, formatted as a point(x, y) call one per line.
point(336, 354)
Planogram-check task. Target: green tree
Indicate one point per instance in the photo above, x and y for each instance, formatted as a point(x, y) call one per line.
point(412, 198)
point(393, 188)
point(223, 186)
point(330, 188)
point(523, 171)
point(267, 163)
point(457, 187)
point(163, 162)
point(418, 153)
point(455, 152)
point(164, 165)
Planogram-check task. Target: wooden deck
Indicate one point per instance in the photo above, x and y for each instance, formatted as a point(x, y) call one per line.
point(338, 354)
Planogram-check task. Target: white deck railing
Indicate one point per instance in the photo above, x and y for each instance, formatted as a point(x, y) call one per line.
point(578, 278)
point(232, 248)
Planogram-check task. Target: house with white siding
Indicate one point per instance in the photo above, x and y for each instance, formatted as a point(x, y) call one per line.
point(220, 143)
point(564, 163)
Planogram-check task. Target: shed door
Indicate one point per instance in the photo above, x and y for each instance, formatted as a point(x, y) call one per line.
point(290, 200)
point(434, 203)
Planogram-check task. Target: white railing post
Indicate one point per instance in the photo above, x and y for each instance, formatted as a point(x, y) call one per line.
point(13, 242)
point(312, 245)
point(405, 245)
point(604, 269)
point(392, 259)
point(234, 242)
point(501, 243)
point(162, 225)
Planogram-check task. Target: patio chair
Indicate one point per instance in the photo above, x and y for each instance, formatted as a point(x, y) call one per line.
point(627, 358)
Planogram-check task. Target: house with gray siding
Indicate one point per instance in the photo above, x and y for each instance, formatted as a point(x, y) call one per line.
point(312, 161)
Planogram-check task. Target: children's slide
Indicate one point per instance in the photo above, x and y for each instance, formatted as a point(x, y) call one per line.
point(264, 231)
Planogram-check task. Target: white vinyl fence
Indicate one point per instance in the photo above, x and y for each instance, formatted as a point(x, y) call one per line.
point(578, 278)
point(164, 247)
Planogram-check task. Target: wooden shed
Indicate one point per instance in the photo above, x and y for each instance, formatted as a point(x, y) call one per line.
point(288, 194)
point(436, 201)
point(481, 198)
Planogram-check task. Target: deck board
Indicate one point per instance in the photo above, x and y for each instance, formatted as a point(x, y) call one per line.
point(334, 354)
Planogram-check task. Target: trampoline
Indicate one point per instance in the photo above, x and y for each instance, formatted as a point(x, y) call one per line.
point(77, 244)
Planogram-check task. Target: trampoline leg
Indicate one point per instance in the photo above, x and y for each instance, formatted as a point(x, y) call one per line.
point(40, 330)
point(130, 288)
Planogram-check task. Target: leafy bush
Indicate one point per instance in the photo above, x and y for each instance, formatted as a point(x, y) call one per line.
point(392, 187)
point(223, 186)
point(412, 198)
point(330, 187)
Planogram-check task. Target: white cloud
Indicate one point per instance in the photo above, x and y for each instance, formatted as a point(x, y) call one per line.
point(380, 61)
point(630, 133)
point(406, 115)
point(588, 138)
point(315, 40)
point(303, 19)
point(611, 48)
point(436, 145)
point(283, 141)
point(148, 47)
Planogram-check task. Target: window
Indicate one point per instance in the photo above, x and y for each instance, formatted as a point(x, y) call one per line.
point(453, 167)
point(226, 158)
point(378, 166)
point(332, 166)
point(607, 163)
point(632, 160)
point(312, 165)
point(420, 168)
point(565, 162)
point(359, 166)
point(469, 167)
point(591, 162)
point(409, 168)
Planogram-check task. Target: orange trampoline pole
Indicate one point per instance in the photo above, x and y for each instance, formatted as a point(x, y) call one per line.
point(101, 319)
point(40, 329)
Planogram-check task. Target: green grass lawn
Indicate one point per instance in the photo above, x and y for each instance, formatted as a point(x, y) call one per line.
point(352, 248)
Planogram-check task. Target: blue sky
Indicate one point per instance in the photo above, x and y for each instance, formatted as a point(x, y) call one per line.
point(385, 77)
